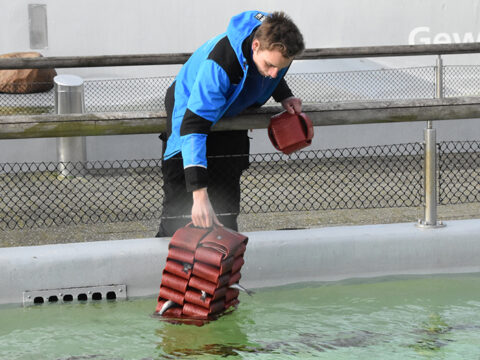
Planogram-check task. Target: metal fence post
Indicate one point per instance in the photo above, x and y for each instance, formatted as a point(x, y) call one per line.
point(430, 161)
point(70, 99)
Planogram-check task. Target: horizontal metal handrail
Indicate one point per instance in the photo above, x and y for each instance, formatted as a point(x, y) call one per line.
point(322, 114)
point(180, 58)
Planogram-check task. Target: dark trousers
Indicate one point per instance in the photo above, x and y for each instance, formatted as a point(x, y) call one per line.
point(227, 157)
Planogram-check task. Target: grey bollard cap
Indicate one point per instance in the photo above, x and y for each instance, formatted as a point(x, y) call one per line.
point(67, 82)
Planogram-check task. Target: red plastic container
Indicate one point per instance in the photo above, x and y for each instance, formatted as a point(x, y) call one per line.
point(182, 270)
point(201, 265)
point(188, 237)
point(210, 273)
point(174, 312)
point(196, 297)
point(169, 294)
point(199, 312)
point(290, 132)
point(208, 286)
point(181, 255)
point(237, 264)
point(174, 282)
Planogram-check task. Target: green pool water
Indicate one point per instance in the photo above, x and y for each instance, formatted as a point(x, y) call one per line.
point(435, 317)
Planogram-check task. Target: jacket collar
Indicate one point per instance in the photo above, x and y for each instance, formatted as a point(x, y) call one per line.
point(240, 28)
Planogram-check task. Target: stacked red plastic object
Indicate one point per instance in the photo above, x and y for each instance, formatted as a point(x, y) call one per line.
point(290, 132)
point(201, 266)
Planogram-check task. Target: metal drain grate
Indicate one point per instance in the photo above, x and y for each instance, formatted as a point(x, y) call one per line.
point(77, 294)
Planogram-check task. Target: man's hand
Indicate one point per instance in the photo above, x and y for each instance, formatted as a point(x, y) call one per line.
point(202, 210)
point(293, 105)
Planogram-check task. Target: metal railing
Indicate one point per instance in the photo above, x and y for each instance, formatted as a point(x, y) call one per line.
point(355, 112)
point(430, 160)
point(180, 58)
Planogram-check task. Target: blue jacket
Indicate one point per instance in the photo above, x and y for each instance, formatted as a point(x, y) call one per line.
point(208, 83)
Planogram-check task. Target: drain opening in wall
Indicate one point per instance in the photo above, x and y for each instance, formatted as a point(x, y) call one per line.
point(79, 294)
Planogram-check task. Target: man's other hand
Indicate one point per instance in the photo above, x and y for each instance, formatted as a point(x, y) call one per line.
point(293, 105)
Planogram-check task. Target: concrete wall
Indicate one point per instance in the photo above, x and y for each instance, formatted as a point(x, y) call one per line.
point(91, 27)
point(150, 26)
point(272, 258)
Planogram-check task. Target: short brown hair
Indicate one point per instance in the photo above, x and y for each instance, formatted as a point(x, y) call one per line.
point(278, 32)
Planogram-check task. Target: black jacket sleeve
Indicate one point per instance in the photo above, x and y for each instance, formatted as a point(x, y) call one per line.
point(282, 91)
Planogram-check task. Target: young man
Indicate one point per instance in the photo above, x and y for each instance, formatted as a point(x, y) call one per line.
point(238, 69)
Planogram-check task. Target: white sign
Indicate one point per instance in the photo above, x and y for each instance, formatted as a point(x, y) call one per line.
point(423, 35)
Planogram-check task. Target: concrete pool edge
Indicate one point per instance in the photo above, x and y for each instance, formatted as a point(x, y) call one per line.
point(273, 258)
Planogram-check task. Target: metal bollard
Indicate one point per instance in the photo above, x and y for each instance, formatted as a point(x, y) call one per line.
point(430, 161)
point(70, 99)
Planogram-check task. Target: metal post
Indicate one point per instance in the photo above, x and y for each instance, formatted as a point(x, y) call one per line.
point(70, 99)
point(430, 161)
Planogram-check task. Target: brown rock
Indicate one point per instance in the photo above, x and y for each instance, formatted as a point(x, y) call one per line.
point(23, 81)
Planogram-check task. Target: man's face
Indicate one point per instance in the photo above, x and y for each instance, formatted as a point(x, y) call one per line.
point(268, 62)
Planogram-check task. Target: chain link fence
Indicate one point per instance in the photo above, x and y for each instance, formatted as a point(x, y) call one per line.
point(146, 94)
point(36, 195)
point(27, 104)
point(461, 80)
point(370, 85)
point(459, 172)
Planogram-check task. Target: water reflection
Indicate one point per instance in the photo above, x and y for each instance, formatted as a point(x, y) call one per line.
point(224, 338)
point(227, 339)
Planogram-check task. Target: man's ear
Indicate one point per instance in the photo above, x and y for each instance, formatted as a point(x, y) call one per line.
point(255, 44)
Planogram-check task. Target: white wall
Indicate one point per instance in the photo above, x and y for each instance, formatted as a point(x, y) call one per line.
point(92, 27)
point(105, 27)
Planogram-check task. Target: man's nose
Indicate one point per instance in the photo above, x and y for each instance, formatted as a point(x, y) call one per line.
point(273, 72)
